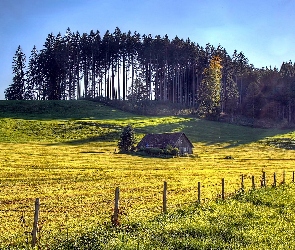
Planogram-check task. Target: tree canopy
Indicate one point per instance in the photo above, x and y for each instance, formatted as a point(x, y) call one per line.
point(127, 140)
point(124, 65)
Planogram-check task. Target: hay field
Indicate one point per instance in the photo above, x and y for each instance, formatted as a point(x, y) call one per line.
point(69, 160)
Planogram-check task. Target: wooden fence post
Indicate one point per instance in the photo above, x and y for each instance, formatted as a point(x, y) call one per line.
point(165, 197)
point(274, 180)
point(199, 192)
point(253, 182)
point(115, 218)
point(35, 224)
point(222, 189)
point(263, 181)
point(242, 183)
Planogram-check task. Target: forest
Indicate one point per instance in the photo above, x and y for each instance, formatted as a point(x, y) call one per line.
point(129, 67)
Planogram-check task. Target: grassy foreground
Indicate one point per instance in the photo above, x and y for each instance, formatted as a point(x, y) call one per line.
point(260, 219)
point(64, 154)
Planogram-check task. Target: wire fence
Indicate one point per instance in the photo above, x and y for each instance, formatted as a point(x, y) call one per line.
point(33, 213)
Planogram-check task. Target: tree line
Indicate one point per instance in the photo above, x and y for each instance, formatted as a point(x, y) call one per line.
point(129, 66)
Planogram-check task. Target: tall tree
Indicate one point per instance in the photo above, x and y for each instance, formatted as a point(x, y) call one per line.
point(85, 61)
point(17, 89)
point(253, 100)
point(69, 43)
point(229, 88)
point(210, 89)
point(287, 72)
point(240, 65)
point(52, 67)
point(33, 89)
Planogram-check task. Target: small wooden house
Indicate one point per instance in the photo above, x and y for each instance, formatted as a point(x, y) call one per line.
point(176, 140)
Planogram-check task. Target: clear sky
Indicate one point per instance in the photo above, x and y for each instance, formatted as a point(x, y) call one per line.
point(263, 30)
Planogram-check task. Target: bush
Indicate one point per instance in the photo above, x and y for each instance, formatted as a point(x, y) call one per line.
point(169, 150)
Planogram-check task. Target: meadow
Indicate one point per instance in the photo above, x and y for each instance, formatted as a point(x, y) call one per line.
point(65, 153)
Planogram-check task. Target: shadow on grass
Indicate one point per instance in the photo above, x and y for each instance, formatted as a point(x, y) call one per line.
point(210, 132)
point(59, 109)
point(142, 155)
point(197, 130)
point(103, 138)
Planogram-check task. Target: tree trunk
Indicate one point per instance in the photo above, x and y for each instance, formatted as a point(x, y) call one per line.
point(113, 82)
point(118, 73)
point(124, 79)
point(193, 86)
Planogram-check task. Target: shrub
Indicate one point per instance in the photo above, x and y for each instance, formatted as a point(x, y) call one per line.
point(169, 150)
point(153, 151)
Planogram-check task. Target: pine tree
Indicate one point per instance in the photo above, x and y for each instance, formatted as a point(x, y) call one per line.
point(16, 90)
point(51, 67)
point(33, 87)
point(230, 95)
point(127, 139)
point(210, 89)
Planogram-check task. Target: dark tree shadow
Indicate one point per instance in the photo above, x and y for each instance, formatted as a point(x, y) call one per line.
point(210, 132)
point(107, 137)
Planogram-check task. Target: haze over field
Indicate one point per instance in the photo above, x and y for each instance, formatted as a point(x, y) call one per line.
point(262, 30)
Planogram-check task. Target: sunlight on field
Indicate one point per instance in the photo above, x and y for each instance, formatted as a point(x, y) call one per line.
point(73, 167)
point(76, 184)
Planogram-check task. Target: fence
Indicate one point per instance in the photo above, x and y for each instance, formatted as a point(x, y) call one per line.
point(115, 217)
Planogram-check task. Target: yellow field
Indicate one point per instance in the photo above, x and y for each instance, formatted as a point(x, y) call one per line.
point(76, 183)
point(65, 154)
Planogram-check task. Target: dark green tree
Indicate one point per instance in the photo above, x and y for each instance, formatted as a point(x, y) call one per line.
point(240, 66)
point(229, 88)
point(33, 88)
point(16, 90)
point(52, 67)
point(287, 72)
point(127, 139)
point(253, 100)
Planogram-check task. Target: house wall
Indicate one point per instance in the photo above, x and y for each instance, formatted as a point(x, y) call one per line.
point(184, 146)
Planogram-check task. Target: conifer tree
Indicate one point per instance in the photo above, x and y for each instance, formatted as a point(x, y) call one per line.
point(127, 139)
point(16, 90)
point(33, 87)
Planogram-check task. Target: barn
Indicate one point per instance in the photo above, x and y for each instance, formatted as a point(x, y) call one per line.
point(176, 140)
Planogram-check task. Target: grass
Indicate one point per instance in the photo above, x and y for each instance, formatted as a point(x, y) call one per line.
point(64, 153)
point(260, 219)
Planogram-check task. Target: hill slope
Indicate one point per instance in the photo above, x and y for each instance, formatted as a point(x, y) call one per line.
point(64, 153)
point(81, 120)
point(57, 110)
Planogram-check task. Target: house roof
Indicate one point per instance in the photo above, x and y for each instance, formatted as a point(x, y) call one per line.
point(161, 140)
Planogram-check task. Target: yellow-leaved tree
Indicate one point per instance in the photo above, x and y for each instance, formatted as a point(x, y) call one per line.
point(209, 93)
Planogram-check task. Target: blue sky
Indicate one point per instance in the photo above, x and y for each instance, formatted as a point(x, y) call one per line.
point(263, 30)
